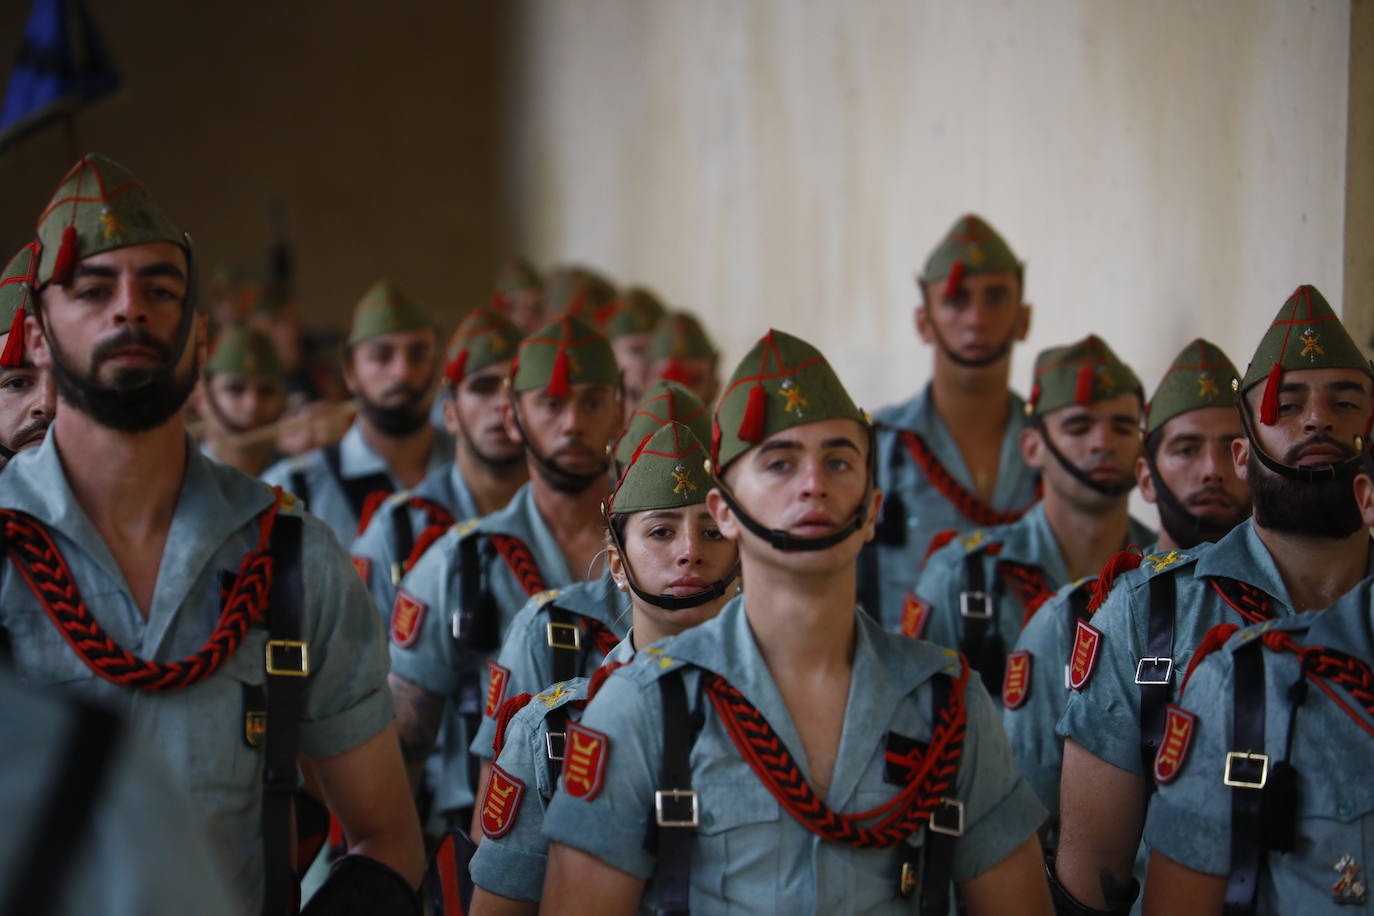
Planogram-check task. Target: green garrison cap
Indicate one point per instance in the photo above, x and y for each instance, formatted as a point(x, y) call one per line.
point(665, 402)
point(667, 471)
point(517, 276)
point(1306, 334)
point(576, 290)
point(484, 338)
point(638, 311)
point(1081, 373)
point(240, 350)
point(970, 247)
point(1200, 376)
point(16, 288)
point(680, 336)
point(98, 207)
point(563, 353)
point(384, 309)
point(781, 383)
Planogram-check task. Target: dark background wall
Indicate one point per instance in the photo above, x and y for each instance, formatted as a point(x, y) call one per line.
point(378, 126)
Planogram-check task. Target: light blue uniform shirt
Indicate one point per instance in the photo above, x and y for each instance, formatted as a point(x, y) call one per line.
point(431, 658)
point(751, 855)
point(525, 652)
point(198, 732)
point(927, 510)
point(1190, 816)
point(513, 864)
point(356, 459)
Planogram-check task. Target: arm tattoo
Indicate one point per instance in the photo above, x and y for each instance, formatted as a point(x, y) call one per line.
point(418, 712)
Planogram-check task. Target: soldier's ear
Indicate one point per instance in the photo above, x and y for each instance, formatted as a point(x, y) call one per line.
point(1145, 480)
point(1240, 457)
point(1023, 325)
point(720, 512)
point(1032, 447)
point(1364, 498)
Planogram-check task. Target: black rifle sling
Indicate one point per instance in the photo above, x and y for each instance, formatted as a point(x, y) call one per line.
point(564, 657)
point(286, 678)
point(1245, 776)
point(1154, 672)
point(673, 823)
point(981, 642)
point(403, 540)
point(55, 838)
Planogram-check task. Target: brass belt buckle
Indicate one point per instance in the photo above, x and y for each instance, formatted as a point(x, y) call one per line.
point(280, 661)
point(553, 630)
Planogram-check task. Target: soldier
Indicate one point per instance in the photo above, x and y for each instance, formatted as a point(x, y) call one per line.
point(949, 458)
point(1263, 802)
point(1186, 471)
point(665, 402)
point(578, 291)
point(1304, 398)
point(391, 360)
point(628, 323)
point(27, 397)
point(775, 681)
point(666, 551)
point(454, 608)
point(681, 352)
point(519, 295)
point(243, 391)
point(225, 624)
point(978, 592)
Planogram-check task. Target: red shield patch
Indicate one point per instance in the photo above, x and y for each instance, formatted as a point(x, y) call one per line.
point(1085, 645)
point(363, 565)
point(1178, 735)
point(406, 616)
point(497, 679)
point(915, 613)
point(584, 761)
point(501, 803)
point(1016, 681)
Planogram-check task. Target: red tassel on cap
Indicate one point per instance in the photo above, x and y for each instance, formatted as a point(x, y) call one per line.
point(955, 280)
point(675, 371)
point(14, 345)
point(1269, 403)
point(558, 381)
point(1035, 394)
point(65, 262)
point(1083, 389)
point(751, 427)
point(453, 372)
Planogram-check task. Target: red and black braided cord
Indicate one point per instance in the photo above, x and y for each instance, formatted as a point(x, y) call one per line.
point(895, 820)
point(1028, 583)
point(41, 565)
point(1249, 602)
point(968, 505)
point(520, 559)
point(440, 520)
point(1330, 668)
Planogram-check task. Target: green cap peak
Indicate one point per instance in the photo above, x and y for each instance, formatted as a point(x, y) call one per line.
point(781, 383)
point(1083, 372)
point(577, 291)
point(484, 338)
point(664, 403)
point(565, 352)
point(16, 289)
point(384, 309)
point(638, 311)
point(680, 336)
point(667, 471)
point(1306, 334)
point(970, 247)
point(240, 350)
point(1200, 376)
point(99, 206)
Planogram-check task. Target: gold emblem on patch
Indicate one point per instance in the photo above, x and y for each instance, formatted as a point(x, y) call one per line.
point(1310, 348)
point(682, 484)
point(973, 540)
point(254, 728)
point(1206, 386)
point(553, 696)
point(1160, 563)
point(795, 400)
point(111, 227)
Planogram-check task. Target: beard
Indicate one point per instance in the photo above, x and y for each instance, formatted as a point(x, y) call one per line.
point(498, 464)
point(140, 398)
point(402, 419)
point(569, 482)
point(1189, 530)
point(1318, 508)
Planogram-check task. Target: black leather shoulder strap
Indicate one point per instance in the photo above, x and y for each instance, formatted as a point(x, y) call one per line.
point(1154, 672)
point(676, 815)
point(1245, 777)
point(937, 872)
point(564, 648)
point(980, 641)
point(355, 489)
point(402, 541)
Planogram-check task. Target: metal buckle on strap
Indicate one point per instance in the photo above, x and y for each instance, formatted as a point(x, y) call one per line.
point(287, 657)
point(948, 818)
point(554, 628)
point(975, 605)
point(1153, 664)
point(1246, 758)
point(397, 572)
point(676, 796)
point(550, 744)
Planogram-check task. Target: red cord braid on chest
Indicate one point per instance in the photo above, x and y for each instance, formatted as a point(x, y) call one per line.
point(969, 505)
point(438, 524)
point(1028, 583)
point(520, 559)
point(602, 636)
point(1327, 667)
point(893, 821)
point(42, 567)
point(1249, 602)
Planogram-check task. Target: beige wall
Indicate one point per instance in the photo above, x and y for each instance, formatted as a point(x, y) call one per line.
point(1167, 169)
point(1359, 178)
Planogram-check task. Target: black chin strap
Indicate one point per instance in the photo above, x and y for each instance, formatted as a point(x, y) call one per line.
point(1002, 350)
point(667, 602)
point(1166, 495)
point(1342, 470)
point(576, 482)
point(1077, 473)
point(6, 453)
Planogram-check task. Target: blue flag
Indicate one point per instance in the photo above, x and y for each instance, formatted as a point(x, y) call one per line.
point(61, 67)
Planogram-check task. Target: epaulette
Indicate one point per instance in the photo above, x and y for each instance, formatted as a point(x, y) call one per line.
point(395, 499)
point(503, 716)
point(939, 540)
point(600, 675)
point(1155, 563)
point(464, 528)
point(1216, 638)
point(289, 503)
point(977, 540)
point(544, 597)
point(560, 694)
point(1149, 564)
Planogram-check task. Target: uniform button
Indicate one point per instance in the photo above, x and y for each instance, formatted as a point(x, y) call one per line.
point(912, 522)
point(1343, 809)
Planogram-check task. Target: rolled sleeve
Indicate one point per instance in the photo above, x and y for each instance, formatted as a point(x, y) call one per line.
point(513, 864)
point(1103, 717)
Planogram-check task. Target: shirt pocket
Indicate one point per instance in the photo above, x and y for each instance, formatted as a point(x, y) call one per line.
point(224, 721)
point(1336, 821)
point(737, 850)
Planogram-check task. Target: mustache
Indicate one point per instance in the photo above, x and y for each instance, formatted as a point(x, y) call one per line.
point(30, 432)
point(1345, 448)
point(401, 388)
point(131, 336)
